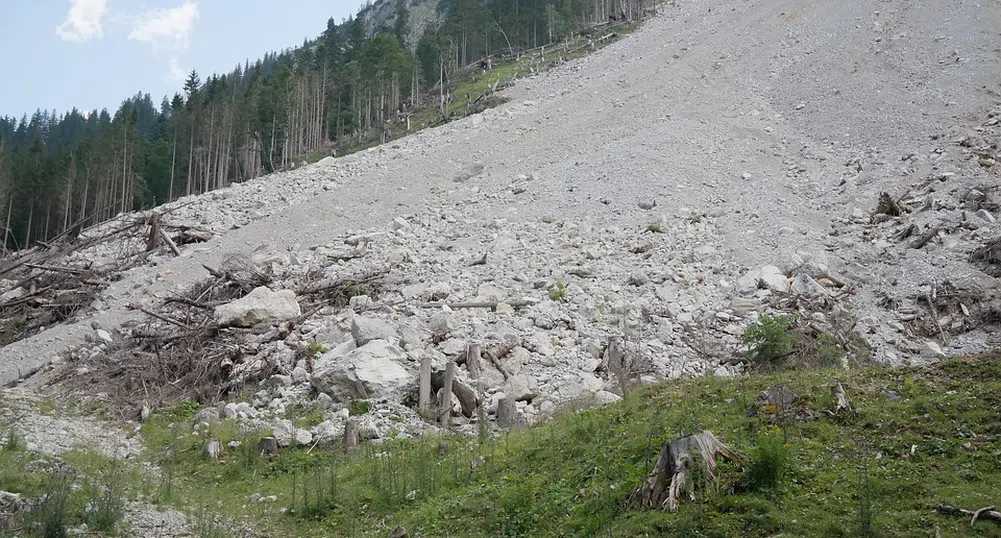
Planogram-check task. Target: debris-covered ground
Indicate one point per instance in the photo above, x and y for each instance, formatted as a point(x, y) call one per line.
point(624, 218)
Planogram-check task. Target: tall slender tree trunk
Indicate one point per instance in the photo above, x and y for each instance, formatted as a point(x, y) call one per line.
point(191, 159)
point(173, 161)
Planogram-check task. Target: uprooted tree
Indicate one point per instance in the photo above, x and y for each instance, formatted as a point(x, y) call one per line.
point(675, 472)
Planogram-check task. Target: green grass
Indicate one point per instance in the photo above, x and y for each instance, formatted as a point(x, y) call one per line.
point(808, 474)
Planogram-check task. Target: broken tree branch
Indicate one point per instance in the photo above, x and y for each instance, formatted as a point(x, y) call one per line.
point(926, 237)
point(974, 515)
point(492, 305)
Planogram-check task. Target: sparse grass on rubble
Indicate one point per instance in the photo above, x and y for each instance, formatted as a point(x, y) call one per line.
point(63, 493)
point(917, 437)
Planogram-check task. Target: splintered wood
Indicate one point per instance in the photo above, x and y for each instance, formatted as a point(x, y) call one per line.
point(669, 480)
point(54, 282)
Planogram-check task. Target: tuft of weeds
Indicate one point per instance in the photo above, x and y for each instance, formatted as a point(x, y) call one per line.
point(769, 463)
point(558, 292)
point(13, 441)
point(655, 228)
point(207, 524)
point(316, 349)
point(317, 492)
point(865, 499)
point(106, 505)
point(359, 407)
point(51, 516)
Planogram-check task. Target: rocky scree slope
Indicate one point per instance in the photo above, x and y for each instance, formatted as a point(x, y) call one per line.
point(724, 161)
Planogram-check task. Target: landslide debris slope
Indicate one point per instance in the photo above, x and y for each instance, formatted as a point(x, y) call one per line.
point(781, 121)
point(726, 160)
point(785, 119)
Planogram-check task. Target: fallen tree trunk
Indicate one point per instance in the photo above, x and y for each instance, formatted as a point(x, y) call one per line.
point(974, 515)
point(669, 480)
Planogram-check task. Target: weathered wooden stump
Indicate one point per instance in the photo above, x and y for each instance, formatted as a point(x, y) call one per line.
point(268, 446)
point(668, 481)
point(213, 449)
point(351, 436)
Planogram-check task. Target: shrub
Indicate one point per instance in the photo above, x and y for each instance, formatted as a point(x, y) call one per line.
point(316, 349)
point(770, 339)
point(359, 407)
point(106, 506)
point(13, 442)
point(558, 292)
point(51, 516)
point(769, 463)
point(186, 409)
point(655, 228)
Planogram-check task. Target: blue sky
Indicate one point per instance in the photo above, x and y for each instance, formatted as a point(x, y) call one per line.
point(91, 54)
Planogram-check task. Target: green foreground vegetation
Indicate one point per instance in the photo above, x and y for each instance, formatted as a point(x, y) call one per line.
point(919, 436)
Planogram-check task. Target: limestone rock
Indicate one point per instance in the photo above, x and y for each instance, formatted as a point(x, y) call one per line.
point(441, 324)
point(749, 282)
point(364, 330)
point(773, 279)
point(370, 371)
point(287, 434)
point(259, 306)
point(806, 286)
point(521, 388)
point(605, 397)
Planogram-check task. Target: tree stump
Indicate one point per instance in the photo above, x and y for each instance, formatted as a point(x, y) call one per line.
point(473, 360)
point(154, 233)
point(424, 386)
point(268, 446)
point(614, 360)
point(841, 399)
point(462, 392)
point(446, 395)
point(507, 413)
point(668, 481)
point(213, 449)
point(351, 436)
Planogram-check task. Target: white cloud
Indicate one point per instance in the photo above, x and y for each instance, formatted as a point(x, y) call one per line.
point(83, 21)
point(170, 28)
point(177, 73)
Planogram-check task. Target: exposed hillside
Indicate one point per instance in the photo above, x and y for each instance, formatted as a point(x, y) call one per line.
point(687, 202)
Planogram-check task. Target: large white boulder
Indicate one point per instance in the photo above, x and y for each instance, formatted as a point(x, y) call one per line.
point(259, 306)
point(774, 279)
point(371, 371)
point(521, 387)
point(365, 330)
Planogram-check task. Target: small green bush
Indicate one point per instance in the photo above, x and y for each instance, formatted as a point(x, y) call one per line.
point(186, 409)
point(316, 349)
point(770, 339)
point(359, 407)
point(13, 442)
point(51, 516)
point(558, 292)
point(770, 462)
point(106, 506)
point(655, 228)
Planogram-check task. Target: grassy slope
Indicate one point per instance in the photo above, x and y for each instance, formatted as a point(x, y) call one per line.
point(571, 477)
